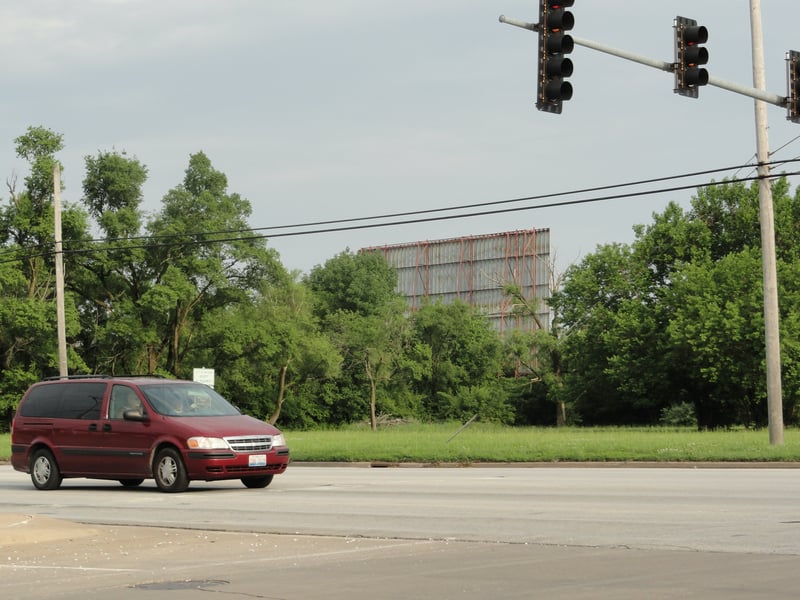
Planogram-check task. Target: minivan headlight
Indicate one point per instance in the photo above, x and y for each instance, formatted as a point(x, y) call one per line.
point(207, 443)
point(278, 440)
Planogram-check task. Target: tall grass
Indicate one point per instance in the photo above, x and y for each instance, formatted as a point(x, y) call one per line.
point(480, 442)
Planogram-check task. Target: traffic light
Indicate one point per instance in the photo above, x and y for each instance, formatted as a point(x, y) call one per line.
point(793, 86)
point(554, 67)
point(689, 55)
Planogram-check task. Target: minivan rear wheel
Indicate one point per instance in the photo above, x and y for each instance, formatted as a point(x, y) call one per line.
point(45, 473)
point(170, 472)
point(257, 482)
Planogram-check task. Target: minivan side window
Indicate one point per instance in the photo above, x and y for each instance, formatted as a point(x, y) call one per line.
point(123, 398)
point(79, 400)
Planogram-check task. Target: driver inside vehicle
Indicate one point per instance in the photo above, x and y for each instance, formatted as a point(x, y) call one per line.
point(200, 404)
point(174, 404)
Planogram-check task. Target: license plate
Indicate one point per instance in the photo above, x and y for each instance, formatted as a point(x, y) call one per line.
point(258, 460)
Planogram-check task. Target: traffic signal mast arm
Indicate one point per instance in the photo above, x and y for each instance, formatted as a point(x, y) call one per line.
point(661, 65)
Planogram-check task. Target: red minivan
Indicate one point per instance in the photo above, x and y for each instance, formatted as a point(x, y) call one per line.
point(135, 428)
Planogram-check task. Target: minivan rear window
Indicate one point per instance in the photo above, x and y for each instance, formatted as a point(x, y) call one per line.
point(75, 400)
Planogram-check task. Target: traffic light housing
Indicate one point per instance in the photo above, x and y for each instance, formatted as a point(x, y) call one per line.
point(793, 86)
point(554, 67)
point(689, 55)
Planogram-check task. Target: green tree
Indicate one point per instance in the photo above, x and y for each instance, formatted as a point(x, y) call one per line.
point(203, 258)
point(28, 221)
point(358, 283)
point(539, 354)
point(466, 363)
point(24, 323)
point(112, 280)
point(270, 351)
point(112, 189)
point(603, 305)
point(789, 294)
point(676, 317)
point(717, 331)
point(149, 289)
point(358, 308)
point(28, 346)
point(39, 145)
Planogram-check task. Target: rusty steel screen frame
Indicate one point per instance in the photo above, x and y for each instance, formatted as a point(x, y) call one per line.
point(474, 269)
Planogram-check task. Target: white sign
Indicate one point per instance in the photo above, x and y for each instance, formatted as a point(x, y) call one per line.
point(204, 376)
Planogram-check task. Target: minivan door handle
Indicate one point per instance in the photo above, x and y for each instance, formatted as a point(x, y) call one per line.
point(93, 427)
point(107, 427)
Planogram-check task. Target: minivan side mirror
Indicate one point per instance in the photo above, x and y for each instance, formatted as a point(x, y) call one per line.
point(134, 415)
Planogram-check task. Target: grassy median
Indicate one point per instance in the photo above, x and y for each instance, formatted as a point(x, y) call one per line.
point(489, 443)
point(481, 442)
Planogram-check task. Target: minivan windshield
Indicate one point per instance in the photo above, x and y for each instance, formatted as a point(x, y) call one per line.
point(187, 400)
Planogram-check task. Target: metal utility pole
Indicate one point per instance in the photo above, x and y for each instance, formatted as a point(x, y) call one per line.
point(766, 213)
point(767, 218)
point(669, 67)
point(59, 256)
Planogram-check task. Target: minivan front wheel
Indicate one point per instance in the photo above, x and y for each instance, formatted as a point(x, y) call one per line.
point(45, 473)
point(257, 482)
point(131, 482)
point(170, 472)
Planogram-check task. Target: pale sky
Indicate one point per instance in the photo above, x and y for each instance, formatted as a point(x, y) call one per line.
point(318, 109)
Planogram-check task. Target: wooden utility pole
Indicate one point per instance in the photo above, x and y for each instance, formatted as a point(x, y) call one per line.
point(59, 256)
point(767, 218)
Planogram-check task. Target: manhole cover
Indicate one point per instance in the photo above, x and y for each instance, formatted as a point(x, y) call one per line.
point(186, 584)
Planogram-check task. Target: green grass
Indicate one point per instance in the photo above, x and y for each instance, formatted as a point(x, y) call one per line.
point(491, 443)
point(488, 443)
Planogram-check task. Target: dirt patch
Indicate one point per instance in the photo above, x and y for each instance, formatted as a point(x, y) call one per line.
point(16, 530)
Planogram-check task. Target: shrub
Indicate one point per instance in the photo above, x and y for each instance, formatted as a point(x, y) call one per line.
point(679, 415)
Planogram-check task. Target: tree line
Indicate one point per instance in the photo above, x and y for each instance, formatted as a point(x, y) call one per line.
point(665, 330)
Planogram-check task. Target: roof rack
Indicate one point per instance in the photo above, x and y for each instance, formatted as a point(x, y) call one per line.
point(95, 376)
point(101, 376)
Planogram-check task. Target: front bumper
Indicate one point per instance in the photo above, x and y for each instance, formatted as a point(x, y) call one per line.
point(225, 464)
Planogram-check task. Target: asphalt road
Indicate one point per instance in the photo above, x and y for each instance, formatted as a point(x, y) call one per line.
point(347, 532)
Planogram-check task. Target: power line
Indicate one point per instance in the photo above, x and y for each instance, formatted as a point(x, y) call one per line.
point(108, 243)
point(106, 248)
point(430, 210)
point(466, 206)
point(772, 153)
